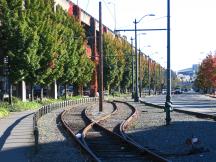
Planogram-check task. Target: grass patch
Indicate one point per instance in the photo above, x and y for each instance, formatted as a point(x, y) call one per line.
point(3, 109)
point(47, 101)
point(71, 98)
point(19, 105)
point(22, 106)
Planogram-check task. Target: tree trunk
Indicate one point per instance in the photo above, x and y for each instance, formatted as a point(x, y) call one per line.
point(41, 94)
point(10, 94)
point(81, 90)
point(32, 92)
point(65, 87)
point(76, 90)
point(108, 89)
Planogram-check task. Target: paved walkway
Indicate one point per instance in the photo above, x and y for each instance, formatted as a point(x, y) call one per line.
point(16, 137)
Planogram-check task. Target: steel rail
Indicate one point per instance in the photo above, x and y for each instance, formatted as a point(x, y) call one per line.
point(123, 137)
point(81, 140)
point(123, 127)
point(83, 146)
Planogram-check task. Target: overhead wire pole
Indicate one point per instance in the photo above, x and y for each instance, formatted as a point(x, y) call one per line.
point(155, 29)
point(101, 60)
point(136, 93)
point(168, 103)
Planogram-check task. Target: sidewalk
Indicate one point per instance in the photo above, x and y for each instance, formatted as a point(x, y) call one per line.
point(16, 136)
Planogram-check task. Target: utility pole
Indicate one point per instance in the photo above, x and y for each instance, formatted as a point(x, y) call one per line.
point(155, 80)
point(136, 97)
point(168, 103)
point(132, 67)
point(101, 60)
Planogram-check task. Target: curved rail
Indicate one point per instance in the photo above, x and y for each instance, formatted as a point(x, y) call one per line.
point(80, 140)
point(114, 140)
point(53, 106)
point(123, 127)
point(67, 127)
point(124, 138)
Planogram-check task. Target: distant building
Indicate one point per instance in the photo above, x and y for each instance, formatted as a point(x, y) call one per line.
point(187, 76)
point(189, 71)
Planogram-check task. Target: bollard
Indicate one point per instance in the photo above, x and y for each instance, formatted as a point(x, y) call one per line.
point(36, 136)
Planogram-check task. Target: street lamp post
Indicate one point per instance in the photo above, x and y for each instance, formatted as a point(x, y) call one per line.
point(136, 97)
point(132, 67)
point(140, 85)
point(168, 103)
point(155, 82)
point(149, 84)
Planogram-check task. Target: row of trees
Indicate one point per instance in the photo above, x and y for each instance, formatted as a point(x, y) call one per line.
point(43, 44)
point(117, 63)
point(206, 77)
point(118, 66)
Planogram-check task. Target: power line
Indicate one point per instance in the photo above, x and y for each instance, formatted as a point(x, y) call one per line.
point(87, 5)
point(110, 12)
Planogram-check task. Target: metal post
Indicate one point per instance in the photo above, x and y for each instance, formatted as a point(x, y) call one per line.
point(168, 103)
point(136, 97)
point(155, 80)
point(115, 15)
point(140, 85)
point(149, 84)
point(132, 67)
point(160, 89)
point(101, 60)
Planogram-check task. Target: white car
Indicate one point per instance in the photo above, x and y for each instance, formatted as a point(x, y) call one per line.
point(164, 91)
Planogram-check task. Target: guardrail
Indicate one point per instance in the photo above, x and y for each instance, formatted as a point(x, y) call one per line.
point(53, 106)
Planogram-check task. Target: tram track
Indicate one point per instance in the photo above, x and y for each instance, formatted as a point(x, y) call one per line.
point(104, 139)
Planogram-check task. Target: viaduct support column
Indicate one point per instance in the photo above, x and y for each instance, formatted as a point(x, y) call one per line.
point(93, 45)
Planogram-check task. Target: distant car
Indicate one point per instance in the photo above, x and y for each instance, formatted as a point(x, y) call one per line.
point(86, 92)
point(164, 91)
point(69, 90)
point(177, 91)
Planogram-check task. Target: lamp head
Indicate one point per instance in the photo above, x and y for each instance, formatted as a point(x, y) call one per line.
point(151, 14)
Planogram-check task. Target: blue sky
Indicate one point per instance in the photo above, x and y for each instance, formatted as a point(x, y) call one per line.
point(193, 26)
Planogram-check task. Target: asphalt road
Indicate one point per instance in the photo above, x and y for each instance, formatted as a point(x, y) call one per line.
point(187, 101)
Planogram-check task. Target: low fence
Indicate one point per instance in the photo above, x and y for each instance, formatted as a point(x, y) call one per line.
point(53, 106)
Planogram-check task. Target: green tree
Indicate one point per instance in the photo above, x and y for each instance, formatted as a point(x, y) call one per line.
point(18, 40)
point(110, 61)
point(127, 74)
point(84, 71)
point(76, 64)
point(118, 45)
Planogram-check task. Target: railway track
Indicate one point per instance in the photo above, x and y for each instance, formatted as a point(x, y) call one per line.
point(102, 137)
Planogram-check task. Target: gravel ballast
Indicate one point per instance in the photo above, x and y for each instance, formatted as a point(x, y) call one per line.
point(149, 130)
point(173, 141)
point(55, 145)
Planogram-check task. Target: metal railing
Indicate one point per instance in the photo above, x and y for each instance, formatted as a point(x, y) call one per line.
point(53, 106)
